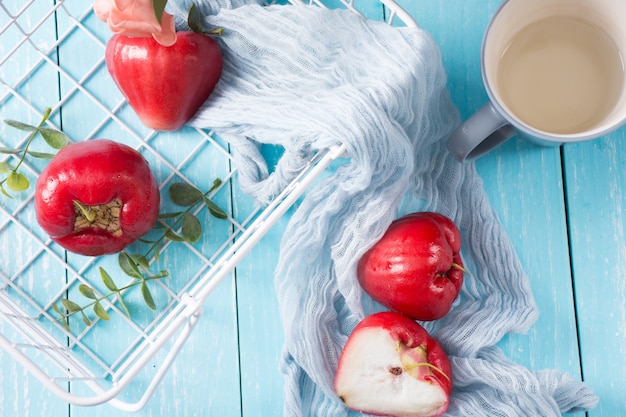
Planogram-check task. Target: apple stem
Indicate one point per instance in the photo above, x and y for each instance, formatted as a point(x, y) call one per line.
point(429, 365)
point(457, 266)
point(86, 211)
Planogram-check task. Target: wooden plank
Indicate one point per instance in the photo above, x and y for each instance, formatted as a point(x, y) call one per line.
point(205, 375)
point(596, 184)
point(532, 211)
point(523, 182)
point(28, 85)
point(260, 328)
point(229, 367)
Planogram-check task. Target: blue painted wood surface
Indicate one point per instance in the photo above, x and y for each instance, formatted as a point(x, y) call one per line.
point(562, 208)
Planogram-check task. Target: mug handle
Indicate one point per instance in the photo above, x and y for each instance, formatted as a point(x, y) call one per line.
point(483, 131)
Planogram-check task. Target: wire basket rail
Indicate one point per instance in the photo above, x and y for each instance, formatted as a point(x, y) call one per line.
point(35, 38)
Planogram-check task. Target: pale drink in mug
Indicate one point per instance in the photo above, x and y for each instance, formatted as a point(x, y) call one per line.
point(553, 71)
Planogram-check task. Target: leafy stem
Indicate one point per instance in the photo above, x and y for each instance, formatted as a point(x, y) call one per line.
point(138, 266)
point(185, 195)
point(73, 308)
point(15, 180)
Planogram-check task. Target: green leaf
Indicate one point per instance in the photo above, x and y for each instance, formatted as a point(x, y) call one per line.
point(216, 183)
point(214, 209)
point(17, 181)
point(85, 319)
point(5, 167)
point(148, 241)
point(159, 6)
point(100, 311)
point(194, 19)
point(147, 296)
point(87, 291)
point(128, 265)
point(191, 228)
point(123, 304)
point(4, 191)
point(70, 306)
point(184, 194)
point(41, 155)
point(9, 151)
point(157, 254)
point(173, 236)
point(61, 318)
point(54, 138)
point(160, 275)
point(141, 260)
point(164, 216)
point(57, 310)
point(21, 126)
point(108, 281)
point(46, 114)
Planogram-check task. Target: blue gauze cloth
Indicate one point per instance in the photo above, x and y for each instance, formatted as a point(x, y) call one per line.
point(304, 79)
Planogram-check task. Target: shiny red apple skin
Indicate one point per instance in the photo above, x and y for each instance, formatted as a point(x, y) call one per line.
point(416, 267)
point(165, 85)
point(92, 173)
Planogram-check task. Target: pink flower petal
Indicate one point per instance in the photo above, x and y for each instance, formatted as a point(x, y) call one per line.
point(167, 35)
point(136, 18)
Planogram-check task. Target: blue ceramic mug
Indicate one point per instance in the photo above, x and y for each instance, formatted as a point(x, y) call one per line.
point(554, 73)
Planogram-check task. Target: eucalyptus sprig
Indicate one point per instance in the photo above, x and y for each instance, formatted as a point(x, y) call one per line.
point(129, 266)
point(137, 266)
point(15, 180)
point(184, 195)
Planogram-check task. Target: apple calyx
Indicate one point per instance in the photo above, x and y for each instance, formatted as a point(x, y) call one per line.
point(101, 216)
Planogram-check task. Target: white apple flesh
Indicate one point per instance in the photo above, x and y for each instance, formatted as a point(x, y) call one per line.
point(379, 374)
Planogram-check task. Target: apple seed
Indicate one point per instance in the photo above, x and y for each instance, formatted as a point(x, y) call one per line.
point(396, 370)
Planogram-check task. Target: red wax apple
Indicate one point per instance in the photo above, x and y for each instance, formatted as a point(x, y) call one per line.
point(165, 85)
point(391, 366)
point(96, 197)
point(415, 268)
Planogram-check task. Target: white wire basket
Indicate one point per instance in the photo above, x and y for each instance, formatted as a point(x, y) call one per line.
point(34, 37)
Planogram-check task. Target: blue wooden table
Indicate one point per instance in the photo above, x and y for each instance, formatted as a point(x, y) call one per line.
point(562, 208)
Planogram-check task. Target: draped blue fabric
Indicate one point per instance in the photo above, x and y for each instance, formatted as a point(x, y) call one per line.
point(305, 78)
